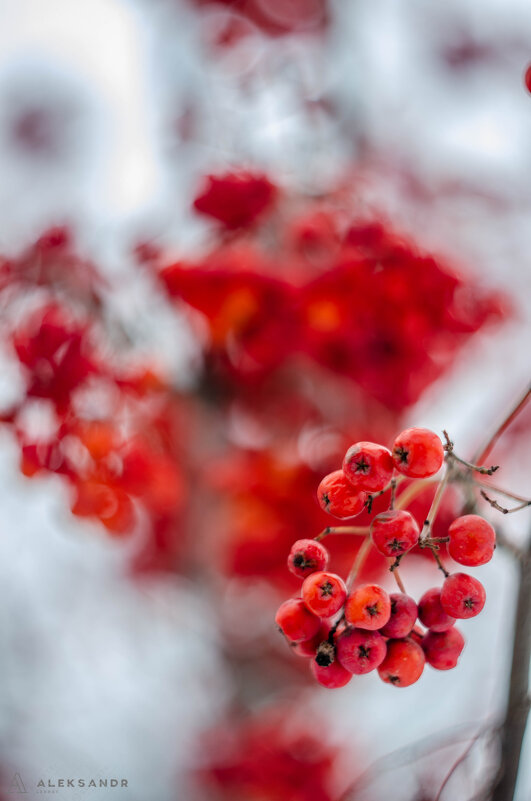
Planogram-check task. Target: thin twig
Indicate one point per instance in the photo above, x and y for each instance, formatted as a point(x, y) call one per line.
point(399, 581)
point(361, 556)
point(503, 509)
point(500, 491)
point(485, 471)
point(363, 530)
point(504, 425)
point(434, 508)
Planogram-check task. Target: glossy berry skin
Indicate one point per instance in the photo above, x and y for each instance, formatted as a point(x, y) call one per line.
point(462, 596)
point(403, 616)
point(395, 532)
point(368, 466)
point(418, 453)
point(306, 557)
point(442, 650)
point(296, 621)
point(431, 613)
point(324, 593)
point(333, 676)
point(338, 497)
point(403, 663)
point(472, 540)
point(368, 607)
point(360, 651)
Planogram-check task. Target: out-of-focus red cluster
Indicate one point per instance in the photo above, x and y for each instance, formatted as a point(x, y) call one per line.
point(277, 17)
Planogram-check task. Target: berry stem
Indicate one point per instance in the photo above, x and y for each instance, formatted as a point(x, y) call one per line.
point(449, 448)
point(411, 492)
point(504, 425)
point(503, 509)
point(514, 725)
point(363, 530)
point(500, 491)
point(434, 508)
point(358, 563)
point(398, 579)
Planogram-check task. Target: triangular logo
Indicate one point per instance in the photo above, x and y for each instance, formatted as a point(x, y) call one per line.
point(17, 785)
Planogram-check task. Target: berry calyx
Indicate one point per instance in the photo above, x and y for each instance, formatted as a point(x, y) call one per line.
point(338, 497)
point(306, 557)
point(394, 532)
point(431, 613)
point(324, 593)
point(462, 596)
point(360, 651)
point(296, 621)
point(331, 676)
point(472, 540)
point(403, 616)
point(368, 466)
point(309, 648)
point(442, 649)
point(368, 607)
point(418, 453)
point(403, 663)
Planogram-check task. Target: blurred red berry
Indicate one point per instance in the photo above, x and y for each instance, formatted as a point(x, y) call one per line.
point(403, 616)
point(472, 540)
point(296, 621)
point(236, 199)
point(331, 676)
point(403, 663)
point(442, 649)
point(431, 613)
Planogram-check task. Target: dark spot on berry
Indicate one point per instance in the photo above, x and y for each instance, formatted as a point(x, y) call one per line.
point(364, 652)
point(326, 589)
point(362, 466)
point(394, 679)
point(402, 455)
point(393, 605)
point(298, 560)
point(325, 497)
point(396, 546)
point(469, 603)
point(372, 610)
point(326, 654)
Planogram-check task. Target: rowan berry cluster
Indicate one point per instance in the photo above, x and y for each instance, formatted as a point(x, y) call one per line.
point(349, 629)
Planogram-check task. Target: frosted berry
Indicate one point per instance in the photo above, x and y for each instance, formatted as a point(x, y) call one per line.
point(395, 532)
point(368, 607)
point(332, 676)
point(403, 616)
point(431, 613)
point(403, 663)
point(442, 650)
point(368, 466)
point(307, 556)
point(462, 596)
point(324, 593)
point(472, 540)
point(296, 621)
point(360, 651)
point(418, 453)
point(338, 497)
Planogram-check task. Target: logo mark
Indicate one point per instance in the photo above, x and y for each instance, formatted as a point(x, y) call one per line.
point(17, 785)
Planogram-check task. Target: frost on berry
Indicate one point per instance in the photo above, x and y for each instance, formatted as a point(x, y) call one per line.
point(332, 676)
point(368, 466)
point(403, 616)
point(431, 613)
point(403, 663)
point(296, 621)
point(360, 651)
point(462, 596)
point(324, 593)
point(307, 556)
point(368, 607)
point(442, 649)
point(394, 532)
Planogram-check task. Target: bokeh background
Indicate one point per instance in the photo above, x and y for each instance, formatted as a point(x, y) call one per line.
point(235, 237)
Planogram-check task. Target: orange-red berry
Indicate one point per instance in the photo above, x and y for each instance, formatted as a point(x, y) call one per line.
point(309, 647)
point(368, 466)
point(331, 676)
point(306, 557)
point(360, 651)
point(431, 613)
point(324, 593)
point(403, 663)
point(394, 532)
point(296, 621)
point(368, 607)
point(472, 540)
point(403, 616)
point(462, 596)
point(418, 453)
point(338, 497)
point(442, 649)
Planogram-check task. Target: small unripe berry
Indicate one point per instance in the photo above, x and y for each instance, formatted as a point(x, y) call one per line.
point(296, 621)
point(394, 532)
point(360, 651)
point(431, 613)
point(368, 607)
point(462, 596)
point(324, 593)
point(306, 557)
point(442, 650)
point(472, 540)
point(418, 453)
point(338, 497)
point(332, 676)
point(368, 466)
point(403, 616)
point(403, 663)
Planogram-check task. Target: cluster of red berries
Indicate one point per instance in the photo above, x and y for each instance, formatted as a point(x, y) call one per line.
point(356, 630)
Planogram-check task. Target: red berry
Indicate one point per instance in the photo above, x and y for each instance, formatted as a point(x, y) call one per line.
point(324, 593)
point(368, 607)
point(296, 621)
point(527, 78)
point(309, 647)
point(462, 596)
point(472, 540)
point(338, 497)
point(431, 613)
point(403, 663)
point(360, 651)
point(442, 649)
point(331, 676)
point(395, 532)
point(418, 453)
point(368, 466)
point(403, 616)
point(307, 556)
